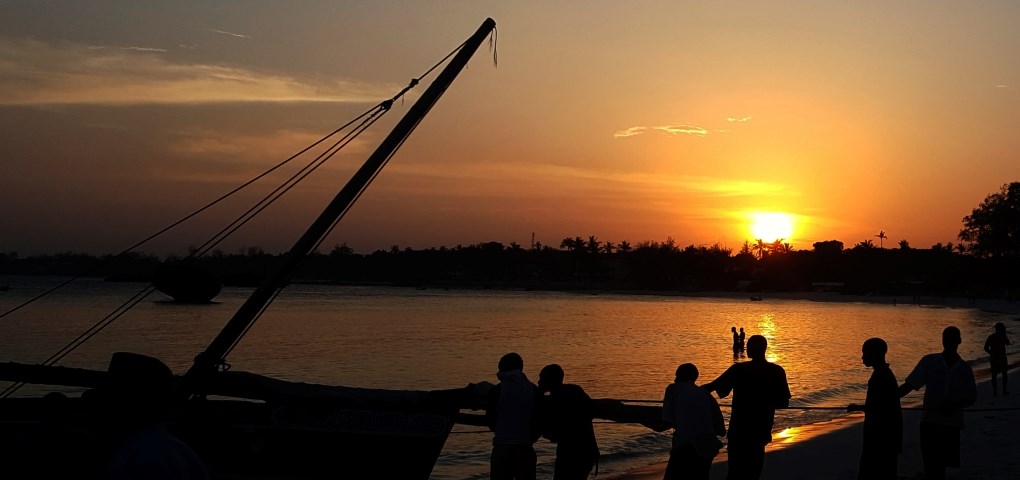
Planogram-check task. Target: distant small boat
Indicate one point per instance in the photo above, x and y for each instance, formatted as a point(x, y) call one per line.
point(755, 299)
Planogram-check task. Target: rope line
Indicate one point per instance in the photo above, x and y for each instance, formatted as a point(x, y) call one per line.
point(805, 407)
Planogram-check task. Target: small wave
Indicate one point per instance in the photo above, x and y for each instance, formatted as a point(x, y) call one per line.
point(829, 396)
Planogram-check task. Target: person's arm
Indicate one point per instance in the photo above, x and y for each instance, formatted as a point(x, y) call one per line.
point(722, 385)
point(913, 381)
point(667, 408)
point(988, 344)
point(783, 395)
point(855, 407)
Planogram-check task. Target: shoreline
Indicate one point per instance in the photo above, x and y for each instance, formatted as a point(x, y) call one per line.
point(831, 449)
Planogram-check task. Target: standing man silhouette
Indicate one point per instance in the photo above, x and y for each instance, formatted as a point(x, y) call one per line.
point(736, 342)
point(567, 413)
point(949, 387)
point(512, 417)
point(697, 423)
point(759, 388)
point(995, 346)
point(883, 417)
point(741, 339)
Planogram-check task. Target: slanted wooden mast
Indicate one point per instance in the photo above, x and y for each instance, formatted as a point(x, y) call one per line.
point(231, 333)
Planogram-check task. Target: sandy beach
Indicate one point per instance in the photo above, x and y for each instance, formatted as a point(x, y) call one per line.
point(831, 450)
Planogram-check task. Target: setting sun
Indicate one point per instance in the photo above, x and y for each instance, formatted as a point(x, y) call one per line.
point(771, 226)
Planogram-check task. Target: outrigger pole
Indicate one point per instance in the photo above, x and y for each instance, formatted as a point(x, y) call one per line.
point(214, 355)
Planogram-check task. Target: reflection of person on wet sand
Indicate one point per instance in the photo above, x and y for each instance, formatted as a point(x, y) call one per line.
point(759, 388)
point(697, 422)
point(949, 387)
point(995, 346)
point(883, 418)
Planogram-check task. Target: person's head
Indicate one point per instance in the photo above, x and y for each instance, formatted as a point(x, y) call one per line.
point(511, 361)
point(686, 372)
point(733, 329)
point(756, 346)
point(741, 329)
point(873, 352)
point(550, 377)
point(951, 338)
point(1000, 328)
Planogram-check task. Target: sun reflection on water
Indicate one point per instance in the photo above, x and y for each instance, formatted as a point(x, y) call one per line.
point(768, 329)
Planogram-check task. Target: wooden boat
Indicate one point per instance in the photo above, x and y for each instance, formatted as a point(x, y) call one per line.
point(246, 425)
point(249, 426)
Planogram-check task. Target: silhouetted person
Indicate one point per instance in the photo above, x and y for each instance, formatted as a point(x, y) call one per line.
point(512, 417)
point(697, 423)
point(883, 418)
point(741, 339)
point(736, 341)
point(567, 413)
point(949, 387)
point(995, 346)
point(759, 388)
point(135, 405)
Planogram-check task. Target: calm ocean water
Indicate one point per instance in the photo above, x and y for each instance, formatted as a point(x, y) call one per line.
point(615, 346)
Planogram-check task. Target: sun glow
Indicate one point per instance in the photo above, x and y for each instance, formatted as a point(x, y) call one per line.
point(771, 226)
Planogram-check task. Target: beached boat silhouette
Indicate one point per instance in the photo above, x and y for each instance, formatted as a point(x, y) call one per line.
point(246, 425)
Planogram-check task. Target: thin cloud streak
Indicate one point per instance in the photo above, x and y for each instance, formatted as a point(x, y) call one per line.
point(674, 129)
point(144, 49)
point(630, 132)
point(231, 34)
point(684, 129)
point(38, 73)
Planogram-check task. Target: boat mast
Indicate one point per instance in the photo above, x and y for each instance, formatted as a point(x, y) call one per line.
point(214, 354)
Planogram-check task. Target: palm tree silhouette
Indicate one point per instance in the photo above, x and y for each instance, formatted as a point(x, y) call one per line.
point(881, 238)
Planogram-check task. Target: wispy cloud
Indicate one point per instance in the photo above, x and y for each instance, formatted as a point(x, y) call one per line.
point(144, 49)
point(684, 129)
point(1002, 86)
point(630, 132)
point(224, 32)
point(675, 129)
point(38, 73)
point(678, 129)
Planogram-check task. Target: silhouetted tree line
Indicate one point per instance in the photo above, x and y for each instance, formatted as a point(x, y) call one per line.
point(985, 264)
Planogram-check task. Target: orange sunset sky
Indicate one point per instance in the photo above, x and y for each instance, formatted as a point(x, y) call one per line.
point(635, 121)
